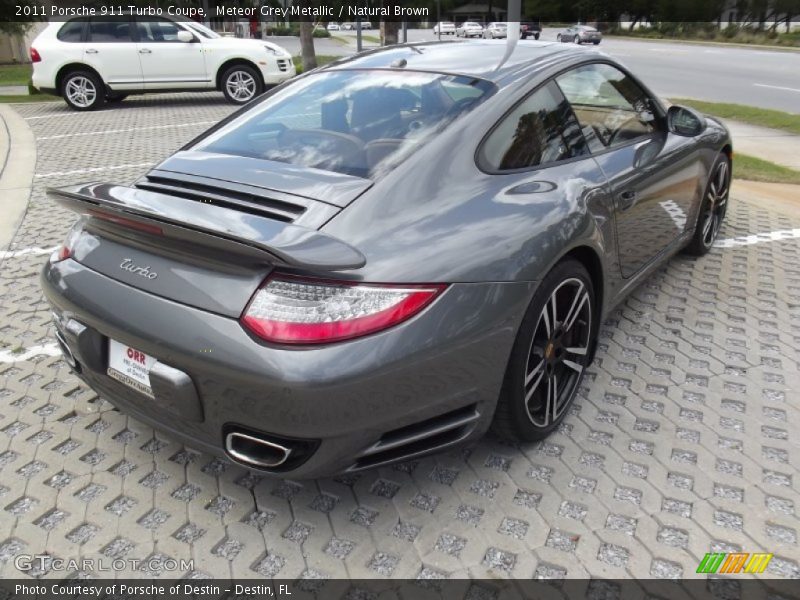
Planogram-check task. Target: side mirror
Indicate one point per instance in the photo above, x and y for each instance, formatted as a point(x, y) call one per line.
point(185, 37)
point(685, 121)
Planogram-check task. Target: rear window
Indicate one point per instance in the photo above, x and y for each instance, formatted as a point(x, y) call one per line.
point(72, 31)
point(351, 122)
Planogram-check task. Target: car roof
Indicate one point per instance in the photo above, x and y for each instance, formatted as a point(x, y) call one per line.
point(480, 58)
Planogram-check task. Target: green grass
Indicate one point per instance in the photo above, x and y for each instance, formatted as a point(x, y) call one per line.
point(755, 169)
point(15, 74)
point(765, 117)
point(372, 39)
point(322, 59)
point(36, 98)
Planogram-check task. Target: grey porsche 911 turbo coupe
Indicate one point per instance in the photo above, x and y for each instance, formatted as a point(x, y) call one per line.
point(386, 256)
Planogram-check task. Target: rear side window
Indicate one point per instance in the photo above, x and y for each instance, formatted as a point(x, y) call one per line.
point(539, 131)
point(72, 31)
point(110, 30)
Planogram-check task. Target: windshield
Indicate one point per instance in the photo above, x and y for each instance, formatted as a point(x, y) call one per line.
point(352, 122)
point(201, 30)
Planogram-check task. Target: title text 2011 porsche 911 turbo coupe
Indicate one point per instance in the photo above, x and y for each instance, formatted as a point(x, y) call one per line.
point(385, 256)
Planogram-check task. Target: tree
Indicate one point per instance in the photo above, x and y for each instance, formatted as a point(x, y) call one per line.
point(10, 23)
point(307, 51)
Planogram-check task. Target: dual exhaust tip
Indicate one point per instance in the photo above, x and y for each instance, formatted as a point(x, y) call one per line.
point(256, 451)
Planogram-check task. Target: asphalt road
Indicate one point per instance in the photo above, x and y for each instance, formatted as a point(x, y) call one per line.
point(755, 77)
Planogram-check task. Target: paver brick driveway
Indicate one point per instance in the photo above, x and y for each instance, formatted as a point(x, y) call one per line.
point(682, 441)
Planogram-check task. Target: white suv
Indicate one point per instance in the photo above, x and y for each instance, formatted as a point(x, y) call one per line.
point(91, 61)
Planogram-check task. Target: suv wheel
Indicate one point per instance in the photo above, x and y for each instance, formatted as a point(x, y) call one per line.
point(241, 83)
point(83, 90)
point(552, 350)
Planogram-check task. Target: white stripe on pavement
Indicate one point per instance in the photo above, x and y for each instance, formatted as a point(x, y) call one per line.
point(132, 129)
point(25, 251)
point(10, 356)
point(757, 238)
point(69, 114)
point(777, 87)
point(92, 170)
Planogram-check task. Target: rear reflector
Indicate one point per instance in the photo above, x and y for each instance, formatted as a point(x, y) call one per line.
point(293, 310)
point(35, 56)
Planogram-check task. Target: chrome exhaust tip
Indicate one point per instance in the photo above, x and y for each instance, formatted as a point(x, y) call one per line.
point(255, 451)
point(65, 351)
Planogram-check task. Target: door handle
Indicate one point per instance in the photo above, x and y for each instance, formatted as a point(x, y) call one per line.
point(145, 51)
point(627, 199)
point(91, 51)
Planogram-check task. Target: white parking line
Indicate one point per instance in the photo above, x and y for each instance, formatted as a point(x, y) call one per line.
point(92, 170)
point(25, 251)
point(777, 87)
point(132, 129)
point(758, 238)
point(10, 356)
point(69, 114)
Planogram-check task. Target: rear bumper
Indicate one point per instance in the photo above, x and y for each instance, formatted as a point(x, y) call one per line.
point(355, 402)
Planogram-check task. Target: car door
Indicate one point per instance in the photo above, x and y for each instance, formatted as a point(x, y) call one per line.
point(654, 175)
point(168, 62)
point(111, 51)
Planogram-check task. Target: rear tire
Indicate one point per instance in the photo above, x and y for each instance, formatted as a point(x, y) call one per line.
point(83, 90)
point(558, 37)
point(577, 39)
point(536, 36)
point(550, 355)
point(712, 208)
point(241, 83)
point(595, 43)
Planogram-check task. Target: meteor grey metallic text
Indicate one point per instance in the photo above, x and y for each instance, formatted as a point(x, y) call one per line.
point(384, 257)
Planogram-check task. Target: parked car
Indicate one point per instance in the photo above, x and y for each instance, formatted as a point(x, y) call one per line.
point(333, 27)
point(528, 29)
point(446, 28)
point(469, 29)
point(496, 30)
point(580, 34)
point(428, 251)
point(91, 61)
point(350, 26)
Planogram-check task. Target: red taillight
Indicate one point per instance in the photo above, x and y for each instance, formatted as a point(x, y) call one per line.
point(129, 223)
point(294, 310)
point(65, 250)
point(35, 56)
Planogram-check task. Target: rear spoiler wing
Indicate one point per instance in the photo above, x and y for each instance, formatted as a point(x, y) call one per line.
point(180, 218)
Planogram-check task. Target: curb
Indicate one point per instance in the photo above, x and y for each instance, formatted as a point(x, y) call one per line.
point(17, 165)
point(705, 43)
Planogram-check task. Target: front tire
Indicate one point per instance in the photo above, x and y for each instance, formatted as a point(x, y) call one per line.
point(558, 37)
point(536, 36)
point(83, 90)
point(713, 208)
point(577, 39)
point(550, 355)
point(241, 83)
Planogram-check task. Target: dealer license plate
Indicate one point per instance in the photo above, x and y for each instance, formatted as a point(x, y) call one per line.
point(130, 366)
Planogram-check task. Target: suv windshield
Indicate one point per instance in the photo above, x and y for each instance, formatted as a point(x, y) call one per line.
point(351, 122)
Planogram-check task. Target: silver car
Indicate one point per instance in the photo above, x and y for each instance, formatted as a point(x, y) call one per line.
point(580, 34)
point(386, 256)
point(469, 29)
point(496, 30)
